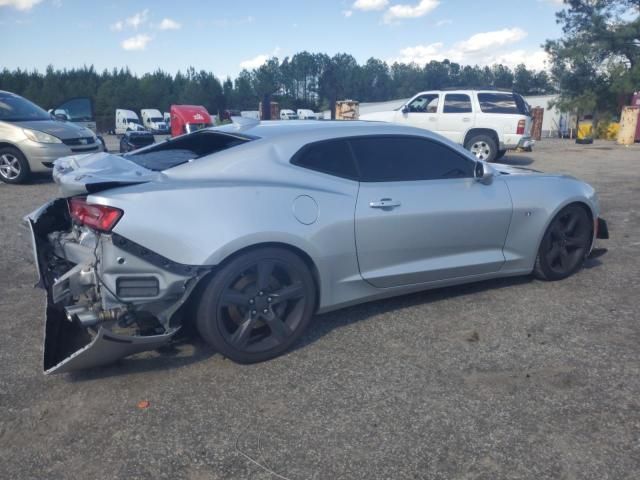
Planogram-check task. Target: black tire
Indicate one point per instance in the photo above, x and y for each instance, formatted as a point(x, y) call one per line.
point(484, 147)
point(565, 244)
point(499, 155)
point(257, 305)
point(14, 167)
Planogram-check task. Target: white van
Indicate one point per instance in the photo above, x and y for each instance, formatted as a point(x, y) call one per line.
point(153, 121)
point(288, 115)
point(127, 121)
point(167, 120)
point(306, 114)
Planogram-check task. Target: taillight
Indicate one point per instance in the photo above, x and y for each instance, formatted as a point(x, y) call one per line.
point(520, 129)
point(98, 217)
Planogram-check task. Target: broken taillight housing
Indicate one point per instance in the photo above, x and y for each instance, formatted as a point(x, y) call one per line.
point(98, 217)
point(520, 129)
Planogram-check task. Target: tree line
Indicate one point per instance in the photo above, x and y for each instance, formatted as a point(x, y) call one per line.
point(305, 80)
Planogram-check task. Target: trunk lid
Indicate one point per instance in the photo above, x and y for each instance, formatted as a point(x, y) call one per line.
point(82, 174)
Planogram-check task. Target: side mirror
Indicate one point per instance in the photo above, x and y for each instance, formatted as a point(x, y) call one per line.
point(483, 173)
point(61, 116)
point(405, 109)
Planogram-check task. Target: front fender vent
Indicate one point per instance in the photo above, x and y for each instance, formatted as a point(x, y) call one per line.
point(137, 287)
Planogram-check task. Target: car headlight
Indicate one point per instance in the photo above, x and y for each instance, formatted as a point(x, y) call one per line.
point(40, 137)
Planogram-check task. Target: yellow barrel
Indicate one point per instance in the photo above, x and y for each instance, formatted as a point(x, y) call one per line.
point(628, 125)
point(585, 132)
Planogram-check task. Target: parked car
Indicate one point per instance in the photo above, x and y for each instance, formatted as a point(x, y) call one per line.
point(189, 118)
point(485, 122)
point(131, 141)
point(152, 120)
point(288, 114)
point(254, 227)
point(306, 114)
point(80, 111)
point(127, 121)
point(31, 139)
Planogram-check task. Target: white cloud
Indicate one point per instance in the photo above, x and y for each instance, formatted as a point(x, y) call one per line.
point(258, 60)
point(487, 40)
point(254, 62)
point(370, 4)
point(403, 11)
point(169, 24)
point(138, 19)
point(134, 21)
point(19, 4)
point(421, 54)
point(137, 42)
point(347, 13)
point(479, 49)
point(537, 60)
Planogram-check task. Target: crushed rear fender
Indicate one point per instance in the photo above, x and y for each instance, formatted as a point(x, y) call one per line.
point(86, 325)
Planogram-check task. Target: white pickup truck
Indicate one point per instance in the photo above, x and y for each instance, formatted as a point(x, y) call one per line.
point(486, 122)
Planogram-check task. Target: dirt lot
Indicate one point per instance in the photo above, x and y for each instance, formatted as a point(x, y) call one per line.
point(504, 379)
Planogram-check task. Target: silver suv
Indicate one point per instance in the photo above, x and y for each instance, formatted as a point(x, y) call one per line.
point(486, 122)
point(32, 139)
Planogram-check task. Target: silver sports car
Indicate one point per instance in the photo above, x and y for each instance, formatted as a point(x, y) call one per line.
point(249, 229)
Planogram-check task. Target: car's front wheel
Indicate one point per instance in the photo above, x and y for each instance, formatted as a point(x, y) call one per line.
point(565, 244)
point(14, 167)
point(483, 147)
point(257, 305)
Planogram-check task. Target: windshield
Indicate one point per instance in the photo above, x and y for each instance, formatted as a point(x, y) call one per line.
point(156, 119)
point(133, 120)
point(18, 109)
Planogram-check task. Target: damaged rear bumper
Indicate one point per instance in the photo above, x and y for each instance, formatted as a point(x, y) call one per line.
point(106, 297)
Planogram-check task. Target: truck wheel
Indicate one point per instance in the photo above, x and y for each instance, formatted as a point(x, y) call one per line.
point(483, 147)
point(14, 167)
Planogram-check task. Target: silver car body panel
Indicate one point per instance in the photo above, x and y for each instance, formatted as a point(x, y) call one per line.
point(197, 214)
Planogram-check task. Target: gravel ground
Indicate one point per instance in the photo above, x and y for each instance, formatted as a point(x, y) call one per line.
point(503, 379)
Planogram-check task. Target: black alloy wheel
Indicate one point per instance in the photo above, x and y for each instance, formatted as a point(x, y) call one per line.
point(565, 244)
point(257, 305)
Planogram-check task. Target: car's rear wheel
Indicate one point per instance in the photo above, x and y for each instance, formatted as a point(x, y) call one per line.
point(14, 167)
point(483, 147)
point(257, 305)
point(565, 244)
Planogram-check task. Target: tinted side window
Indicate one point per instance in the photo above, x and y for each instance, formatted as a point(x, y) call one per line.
point(498, 103)
point(385, 159)
point(457, 103)
point(332, 157)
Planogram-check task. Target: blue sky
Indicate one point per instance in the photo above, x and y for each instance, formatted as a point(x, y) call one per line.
point(223, 36)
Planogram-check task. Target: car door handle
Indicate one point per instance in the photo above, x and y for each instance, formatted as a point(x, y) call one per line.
point(466, 119)
point(432, 119)
point(385, 203)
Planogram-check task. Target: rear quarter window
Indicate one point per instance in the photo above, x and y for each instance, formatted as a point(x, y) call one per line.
point(501, 103)
point(332, 157)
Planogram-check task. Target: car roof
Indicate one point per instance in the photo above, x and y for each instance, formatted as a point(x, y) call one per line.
point(320, 129)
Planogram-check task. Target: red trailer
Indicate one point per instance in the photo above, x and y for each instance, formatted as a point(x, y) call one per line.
point(188, 118)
